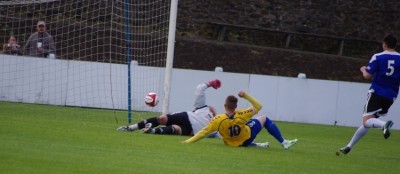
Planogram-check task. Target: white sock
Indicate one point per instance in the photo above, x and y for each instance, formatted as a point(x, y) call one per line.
point(133, 127)
point(374, 123)
point(361, 131)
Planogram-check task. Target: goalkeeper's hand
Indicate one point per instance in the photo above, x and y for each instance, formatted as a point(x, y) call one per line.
point(215, 83)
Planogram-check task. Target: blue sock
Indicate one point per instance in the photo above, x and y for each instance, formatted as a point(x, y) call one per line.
point(273, 130)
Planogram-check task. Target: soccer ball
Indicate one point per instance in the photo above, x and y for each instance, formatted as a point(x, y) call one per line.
point(151, 99)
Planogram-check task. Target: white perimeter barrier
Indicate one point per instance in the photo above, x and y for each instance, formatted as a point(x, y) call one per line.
point(104, 85)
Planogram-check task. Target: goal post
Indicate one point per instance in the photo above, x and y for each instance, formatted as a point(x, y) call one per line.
point(108, 54)
point(170, 54)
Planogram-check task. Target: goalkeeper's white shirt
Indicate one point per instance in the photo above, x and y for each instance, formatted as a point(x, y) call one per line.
point(201, 116)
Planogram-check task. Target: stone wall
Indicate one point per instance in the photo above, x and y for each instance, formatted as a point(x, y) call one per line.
point(367, 20)
point(200, 54)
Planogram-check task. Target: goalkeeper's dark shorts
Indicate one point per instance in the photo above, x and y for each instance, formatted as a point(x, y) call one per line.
point(182, 120)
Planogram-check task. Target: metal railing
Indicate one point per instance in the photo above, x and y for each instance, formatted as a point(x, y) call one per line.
point(222, 29)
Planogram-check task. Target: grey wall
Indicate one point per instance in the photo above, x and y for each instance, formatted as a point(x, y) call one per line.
point(101, 85)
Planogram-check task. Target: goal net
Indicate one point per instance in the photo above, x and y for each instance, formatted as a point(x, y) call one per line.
point(106, 54)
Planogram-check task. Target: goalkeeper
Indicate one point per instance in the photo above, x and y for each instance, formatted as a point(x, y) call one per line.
point(181, 123)
point(238, 129)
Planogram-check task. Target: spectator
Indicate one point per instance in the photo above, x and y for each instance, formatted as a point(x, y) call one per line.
point(40, 43)
point(12, 47)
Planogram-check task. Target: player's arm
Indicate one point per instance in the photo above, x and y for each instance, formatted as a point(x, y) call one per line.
point(200, 92)
point(214, 134)
point(202, 133)
point(369, 71)
point(256, 104)
point(200, 95)
point(364, 72)
point(198, 136)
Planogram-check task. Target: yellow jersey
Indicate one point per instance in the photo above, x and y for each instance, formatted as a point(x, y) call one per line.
point(233, 128)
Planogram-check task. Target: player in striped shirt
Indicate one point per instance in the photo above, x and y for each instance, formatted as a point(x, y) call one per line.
point(384, 68)
point(237, 127)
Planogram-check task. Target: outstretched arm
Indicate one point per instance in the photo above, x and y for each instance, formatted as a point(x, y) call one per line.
point(196, 137)
point(256, 104)
point(201, 134)
point(200, 92)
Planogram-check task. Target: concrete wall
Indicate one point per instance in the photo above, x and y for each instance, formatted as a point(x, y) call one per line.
point(351, 18)
point(89, 84)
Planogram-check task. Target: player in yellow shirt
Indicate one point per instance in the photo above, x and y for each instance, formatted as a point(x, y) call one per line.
point(238, 129)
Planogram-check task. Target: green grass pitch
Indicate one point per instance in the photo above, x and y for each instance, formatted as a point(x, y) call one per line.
point(49, 139)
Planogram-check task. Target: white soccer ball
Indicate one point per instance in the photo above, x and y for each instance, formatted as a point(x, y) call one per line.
point(151, 99)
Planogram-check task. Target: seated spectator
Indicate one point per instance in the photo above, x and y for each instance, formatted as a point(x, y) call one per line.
point(12, 47)
point(40, 43)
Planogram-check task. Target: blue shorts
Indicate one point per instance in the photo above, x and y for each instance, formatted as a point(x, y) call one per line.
point(255, 127)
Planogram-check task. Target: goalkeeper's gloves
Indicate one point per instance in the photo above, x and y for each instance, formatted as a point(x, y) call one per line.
point(215, 83)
